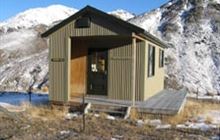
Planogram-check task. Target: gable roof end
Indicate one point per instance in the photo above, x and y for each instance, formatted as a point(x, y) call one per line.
point(129, 26)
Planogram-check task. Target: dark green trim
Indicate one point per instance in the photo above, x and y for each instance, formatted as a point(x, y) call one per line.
point(89, 9)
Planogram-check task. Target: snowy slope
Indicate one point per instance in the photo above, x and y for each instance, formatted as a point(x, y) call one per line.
point(33, 17)
point(192, 28)
point(21, 52)
point(123, 14)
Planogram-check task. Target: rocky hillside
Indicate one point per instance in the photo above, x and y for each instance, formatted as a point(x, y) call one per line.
point(192, 29)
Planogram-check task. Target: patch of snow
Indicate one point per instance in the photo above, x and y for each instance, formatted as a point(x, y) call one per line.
point(217, 137)
point(110, 117)
point(200, 126)
point(214, 115)
point(155, 122)
point(181, 126)
point(70, 116)
point(216, 1)
point(140, 122)
point(117, 137)
point(97, 115)
point(204, 97)
point(148, 21)
point(17, 40)
point(12, 108)
point(123, 14)
point(163, 126)
point(64, 132)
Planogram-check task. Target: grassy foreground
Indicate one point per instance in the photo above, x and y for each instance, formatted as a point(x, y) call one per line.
point(49, 123)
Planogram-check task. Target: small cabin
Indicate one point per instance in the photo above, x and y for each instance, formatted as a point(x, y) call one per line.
point(95, 54)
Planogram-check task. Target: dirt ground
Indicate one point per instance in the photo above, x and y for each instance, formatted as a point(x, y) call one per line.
point(47, 123)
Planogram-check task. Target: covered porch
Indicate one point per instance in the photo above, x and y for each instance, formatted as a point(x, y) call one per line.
point(103, 67)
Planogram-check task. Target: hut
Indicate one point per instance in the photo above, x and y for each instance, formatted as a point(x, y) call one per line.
point(95, 54)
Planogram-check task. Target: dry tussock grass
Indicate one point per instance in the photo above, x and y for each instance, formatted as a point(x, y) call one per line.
point(191, 110)
point(134, 115)
point(46, 112)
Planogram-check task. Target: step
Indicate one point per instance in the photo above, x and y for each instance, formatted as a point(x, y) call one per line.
point(109, 109)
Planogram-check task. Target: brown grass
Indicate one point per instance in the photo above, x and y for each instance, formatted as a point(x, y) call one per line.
point(191, 110)
point(46, 112)
point(134, 115)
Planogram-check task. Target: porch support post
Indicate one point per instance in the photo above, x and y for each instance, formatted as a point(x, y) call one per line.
point(133, 78)
point(68, 57)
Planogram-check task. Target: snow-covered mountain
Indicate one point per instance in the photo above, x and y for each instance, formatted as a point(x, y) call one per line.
point(123, 14)
point(192, 28)
point(37, 16)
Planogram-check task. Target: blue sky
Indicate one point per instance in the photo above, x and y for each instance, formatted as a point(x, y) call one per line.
point(9, 8)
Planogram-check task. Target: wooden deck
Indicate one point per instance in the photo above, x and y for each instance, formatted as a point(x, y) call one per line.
point(168, 102)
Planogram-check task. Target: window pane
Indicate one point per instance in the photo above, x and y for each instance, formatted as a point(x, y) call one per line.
point(161, 58)
point(98, 62)
point(151, 60)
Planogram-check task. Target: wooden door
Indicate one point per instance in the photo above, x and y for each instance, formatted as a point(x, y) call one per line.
point(78, 68)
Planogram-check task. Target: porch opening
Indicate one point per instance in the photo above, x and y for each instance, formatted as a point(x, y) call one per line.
point(89, 64)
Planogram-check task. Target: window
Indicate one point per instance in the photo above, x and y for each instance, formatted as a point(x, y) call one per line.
point(98, 62)
point(83, 22)
point(161, 58)
point(151, 60)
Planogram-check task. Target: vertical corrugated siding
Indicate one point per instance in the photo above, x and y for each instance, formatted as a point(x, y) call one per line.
point(120, 69)
point(140, 64)
point(57, 69)
point(119, 73)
